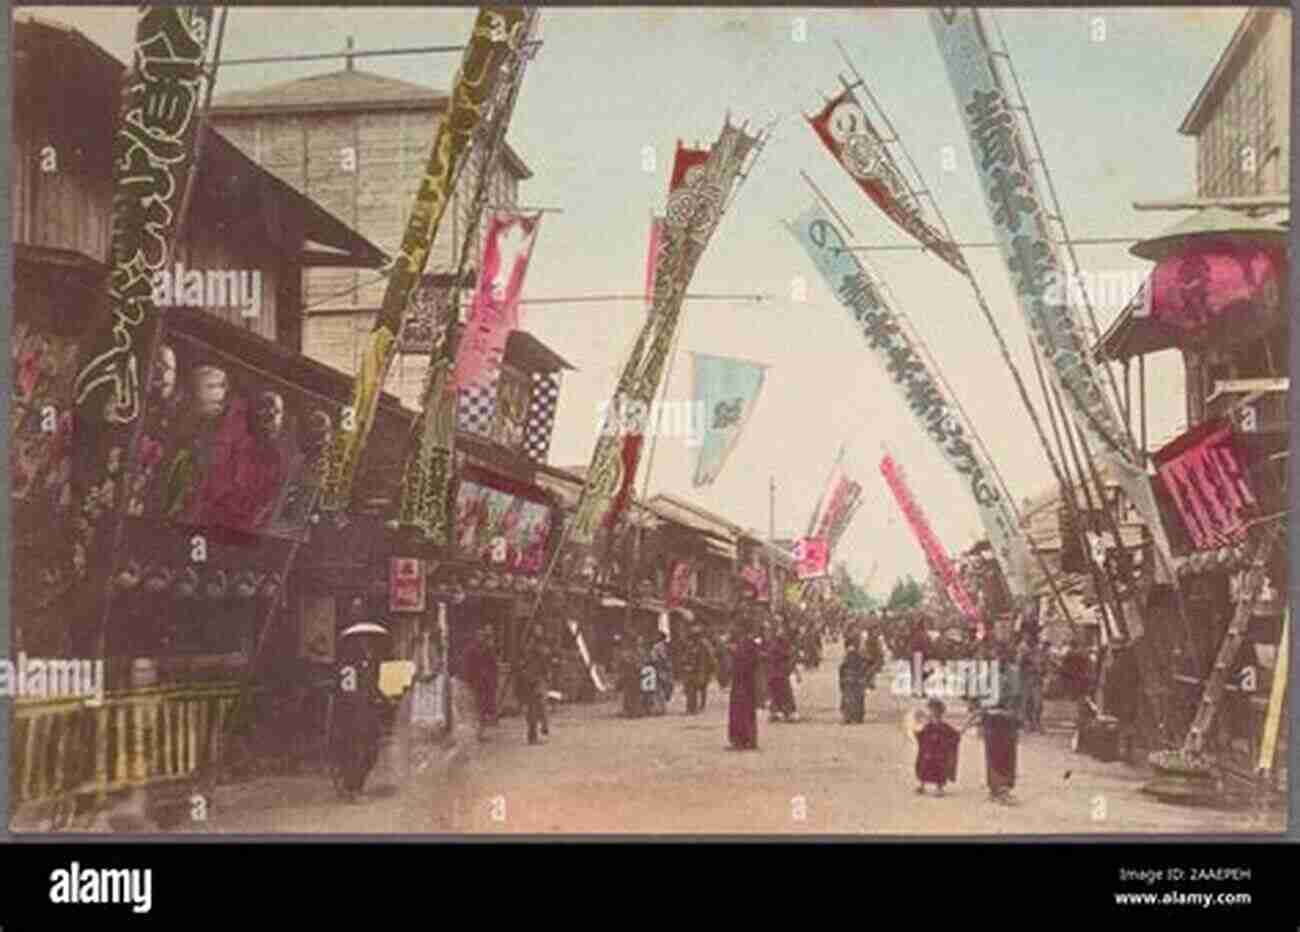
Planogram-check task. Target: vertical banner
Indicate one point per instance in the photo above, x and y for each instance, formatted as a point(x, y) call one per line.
point(679, 584)
point(940, 563)
point(407, 585)
point(495, 312)
point(543, 400)
point(1019, 218)
point(652, 258)
point(918, 387)
point(498, 33)
point(727, 391)
point(701, 182)
point(811, 558)
point(848, 135)
point(153, 158)
point(1205, 475)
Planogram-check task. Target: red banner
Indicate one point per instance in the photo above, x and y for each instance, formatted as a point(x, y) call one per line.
point(679, 583)
point(845, 130)
point(1231, 289)
point(1206, 476)
point(495, 312)
point(935, 555)
point(811, 557)
point(406, 585)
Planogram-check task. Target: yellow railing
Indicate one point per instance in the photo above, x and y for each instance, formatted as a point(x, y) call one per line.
point(63, 748)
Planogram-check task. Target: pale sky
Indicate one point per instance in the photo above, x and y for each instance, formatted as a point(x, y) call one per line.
point(609, 82)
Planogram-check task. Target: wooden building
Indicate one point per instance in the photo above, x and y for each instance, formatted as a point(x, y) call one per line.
point(358, 143)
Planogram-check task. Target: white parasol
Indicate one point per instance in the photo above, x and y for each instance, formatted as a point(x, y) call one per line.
point(365, 627)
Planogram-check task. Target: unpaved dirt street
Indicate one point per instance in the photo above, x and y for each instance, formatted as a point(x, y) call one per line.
point(599, 773)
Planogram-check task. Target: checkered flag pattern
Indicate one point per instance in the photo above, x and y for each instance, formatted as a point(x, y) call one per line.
point(476, 407)
point(542, 402)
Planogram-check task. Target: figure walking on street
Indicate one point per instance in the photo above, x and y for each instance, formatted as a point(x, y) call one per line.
point(662, 662)
point(357, 727)
point(698, 670)
point(742, 714)
point(853, 685)
point(1000, 722)
point(534, 674)
point(481, 675)
point(781, 666)
point(936, 751)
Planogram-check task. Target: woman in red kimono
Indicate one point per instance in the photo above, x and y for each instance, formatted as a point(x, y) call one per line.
point(742, 718)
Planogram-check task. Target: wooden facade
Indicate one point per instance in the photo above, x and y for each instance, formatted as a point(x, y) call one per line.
point(358, 144)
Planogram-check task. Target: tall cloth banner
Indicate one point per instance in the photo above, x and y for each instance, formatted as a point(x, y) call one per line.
point(153, 157)
point(838, 506)
point(727, 391)
point(700, 185)
point(495, 312)
point(918, 387)
point(497, 34)
point(1015, 207)
point(940, 563)
point(849, 136)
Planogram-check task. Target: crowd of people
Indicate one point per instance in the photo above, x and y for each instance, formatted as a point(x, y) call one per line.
point(758, 662)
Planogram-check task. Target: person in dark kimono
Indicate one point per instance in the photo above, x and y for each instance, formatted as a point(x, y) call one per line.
point(1031, 679)
point(936, 751)
point(661, 659)
point(533, 683)
point(1122, 697)
point(742, 714)
point(873, 656)
point(481, 675)
point(357, 726)
point(723, 653)
point(697, 664)
point(1001, 724)
point(781, 666)
point(853, 685)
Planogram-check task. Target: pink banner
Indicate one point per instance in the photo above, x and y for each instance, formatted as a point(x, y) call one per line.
point(495, 311)
point(1205, 474)
point(935, 555)
point(1234, 286)
point(812, 557)
point(840, 499)
point(679, 583)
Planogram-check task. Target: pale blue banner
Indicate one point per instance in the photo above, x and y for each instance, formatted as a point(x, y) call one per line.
point(918, 387)
point(1016, 209)
point(726, 390)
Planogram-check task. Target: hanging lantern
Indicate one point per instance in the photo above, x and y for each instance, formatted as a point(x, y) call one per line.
point(1218, 278)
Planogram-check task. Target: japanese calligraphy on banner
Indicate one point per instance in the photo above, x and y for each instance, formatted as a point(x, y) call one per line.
point(1205, 474)
point(837, 507)
point(727, 390)
point(811, 557)
point(406, 585)
point(701, 182)
point(153, 159)
point(495, 312)
point(940, 563)
point(843, 127)
point(497, 36)
point(1016, 210)
point(918, 387)
point(1227, 292)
